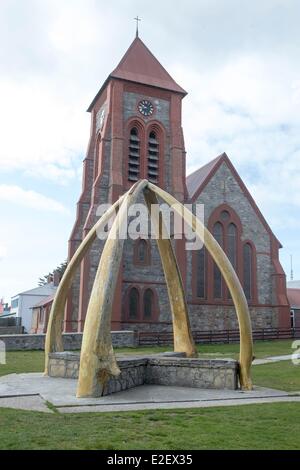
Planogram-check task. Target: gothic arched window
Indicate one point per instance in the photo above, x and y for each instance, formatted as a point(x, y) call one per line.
point(232, 244)
point(248, 270)
point(134, 155)
point(133, 307)
point(217, 276)
point(153, 158)
point(208, 282)
point(142, 252)
point(148, 304)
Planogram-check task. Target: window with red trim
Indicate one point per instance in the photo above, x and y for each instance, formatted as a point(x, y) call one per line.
point(218, 233)
point(226, 228)
point(141, 304)
point(133, 301)
point(153, 158)
point(134, 155)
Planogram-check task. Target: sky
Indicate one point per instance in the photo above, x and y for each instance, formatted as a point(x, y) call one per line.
point(239, 62)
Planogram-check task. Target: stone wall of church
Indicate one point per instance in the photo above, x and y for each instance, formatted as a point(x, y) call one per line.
point(134, 275)
point(221, 317)
point(213, 196)
point(224, 317)
point(76, 238)
point(162, 107)
point(143, 277)
point(212, 318)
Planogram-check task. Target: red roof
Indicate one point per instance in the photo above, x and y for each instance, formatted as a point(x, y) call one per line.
point(196, 179)
point(45, 301)
point(140, 66)
point(294, 297)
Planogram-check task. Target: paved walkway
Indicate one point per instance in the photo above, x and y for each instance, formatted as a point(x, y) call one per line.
point(268, 360)
point(33, 391)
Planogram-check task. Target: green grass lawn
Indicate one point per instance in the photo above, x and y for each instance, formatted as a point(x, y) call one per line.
point(33, 361)
point(265, 426)
point(282, 375)
point(23, 361)
point(271, 426)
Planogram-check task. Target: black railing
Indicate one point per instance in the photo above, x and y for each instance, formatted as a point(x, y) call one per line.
point(221, 336)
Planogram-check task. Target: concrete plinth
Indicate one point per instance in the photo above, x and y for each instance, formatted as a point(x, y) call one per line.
point(168, 369)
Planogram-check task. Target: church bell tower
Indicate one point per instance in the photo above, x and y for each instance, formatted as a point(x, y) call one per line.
point(136, 133)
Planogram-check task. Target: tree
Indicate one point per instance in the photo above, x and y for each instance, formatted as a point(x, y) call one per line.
point(60, 269)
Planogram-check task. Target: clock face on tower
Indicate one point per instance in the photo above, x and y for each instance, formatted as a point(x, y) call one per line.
point(145, 107)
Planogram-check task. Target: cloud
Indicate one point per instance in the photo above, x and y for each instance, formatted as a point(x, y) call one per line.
point(55, 173)
point(44, 130)
point(238, 61)
point(30, 199)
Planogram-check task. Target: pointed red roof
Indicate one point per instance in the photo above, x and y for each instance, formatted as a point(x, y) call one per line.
point(195, 180)
point(140, 66)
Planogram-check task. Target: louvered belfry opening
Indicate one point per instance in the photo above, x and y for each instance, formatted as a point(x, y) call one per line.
point(153, 155)
point(134, 155)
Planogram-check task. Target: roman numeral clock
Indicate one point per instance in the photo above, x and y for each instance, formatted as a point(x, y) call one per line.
point(145, 107)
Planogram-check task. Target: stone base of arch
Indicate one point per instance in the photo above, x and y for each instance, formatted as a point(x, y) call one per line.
point(169, 369)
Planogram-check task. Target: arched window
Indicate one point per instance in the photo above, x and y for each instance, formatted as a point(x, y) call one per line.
point(248, 270)
point(225, 216)
point(133, 307)
point(134, 155)
point(208, 283)
point(217, 276)
point(142, 249)
point(142, 252)
point(201, 274)
point(232, 244)
point(148, 304)
point(153, 158)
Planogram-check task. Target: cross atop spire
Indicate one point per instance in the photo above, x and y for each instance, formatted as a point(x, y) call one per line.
point(137, 19)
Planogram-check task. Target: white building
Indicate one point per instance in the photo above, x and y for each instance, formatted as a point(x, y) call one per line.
point(21, 304)
point(293, 284)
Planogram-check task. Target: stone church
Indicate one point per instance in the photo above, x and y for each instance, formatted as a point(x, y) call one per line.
point(136, 132)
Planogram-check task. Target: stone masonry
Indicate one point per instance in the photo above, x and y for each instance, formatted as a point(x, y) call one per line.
point(171, 369)
point(72, 341)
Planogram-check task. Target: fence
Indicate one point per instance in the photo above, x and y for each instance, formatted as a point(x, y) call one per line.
point(221, 336)
point(6, 321)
